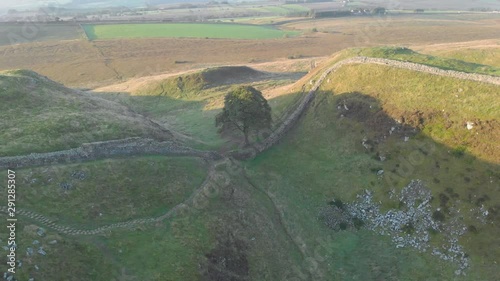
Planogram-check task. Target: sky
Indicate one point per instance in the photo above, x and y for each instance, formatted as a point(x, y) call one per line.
point(24, 4)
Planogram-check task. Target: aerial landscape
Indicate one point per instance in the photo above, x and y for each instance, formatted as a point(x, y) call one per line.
point(227, 140)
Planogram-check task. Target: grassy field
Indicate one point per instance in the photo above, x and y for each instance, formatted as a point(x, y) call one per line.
point(66, 259)
point(170, 252)
point(21, 33)
point(97, 193)
point(184, 30)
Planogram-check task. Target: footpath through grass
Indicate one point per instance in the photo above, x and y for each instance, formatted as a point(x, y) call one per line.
point(184, 30)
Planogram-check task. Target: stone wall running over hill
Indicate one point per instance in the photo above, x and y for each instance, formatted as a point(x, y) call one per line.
point(139, 146)
point(105, 149)
point(429, 69)
point(294, 116)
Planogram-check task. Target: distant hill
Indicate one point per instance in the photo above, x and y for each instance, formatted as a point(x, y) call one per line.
point(192, 84)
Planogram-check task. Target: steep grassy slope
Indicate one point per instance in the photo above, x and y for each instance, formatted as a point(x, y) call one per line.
point(439, 106)
point(346, 138)
point(188, 103)
point(39, 115)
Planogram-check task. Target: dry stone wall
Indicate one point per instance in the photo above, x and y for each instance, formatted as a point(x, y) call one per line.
point(105, 149)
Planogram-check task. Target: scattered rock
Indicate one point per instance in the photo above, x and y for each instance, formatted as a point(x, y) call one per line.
point(53, 242)
point(65, 185)
point(29, 251)
point(79, 175)
point(380, 172)
point(42, 252)
point(392, 130)
point(41, 232)
point(408, 226)
point(36, 242)
point(470, 125)
point(407, 139)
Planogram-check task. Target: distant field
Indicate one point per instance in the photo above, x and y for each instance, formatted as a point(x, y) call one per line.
point(184, 30)
point(282, 9)
point(80, 63)
point(13, 33)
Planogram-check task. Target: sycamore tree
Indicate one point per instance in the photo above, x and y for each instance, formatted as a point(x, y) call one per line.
point(245, 110)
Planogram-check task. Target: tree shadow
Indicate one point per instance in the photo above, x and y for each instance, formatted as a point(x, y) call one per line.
point(192, 120)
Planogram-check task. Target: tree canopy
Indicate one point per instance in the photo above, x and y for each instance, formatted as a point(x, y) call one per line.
point(246, 110)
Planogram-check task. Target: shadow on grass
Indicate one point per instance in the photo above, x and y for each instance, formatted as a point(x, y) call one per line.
point(193, 119)
point(340, 144)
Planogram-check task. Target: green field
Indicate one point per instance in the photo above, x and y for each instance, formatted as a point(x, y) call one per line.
point(184, 30)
